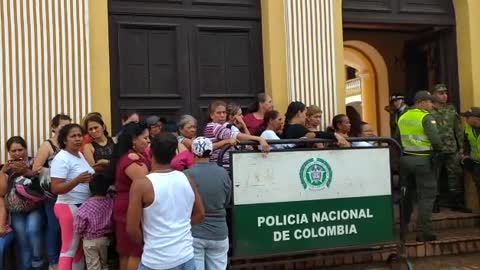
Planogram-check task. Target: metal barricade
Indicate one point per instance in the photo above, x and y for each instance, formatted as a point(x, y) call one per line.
point(258, 228)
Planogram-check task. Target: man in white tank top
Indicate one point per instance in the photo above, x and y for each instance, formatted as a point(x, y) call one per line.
point(164, 204)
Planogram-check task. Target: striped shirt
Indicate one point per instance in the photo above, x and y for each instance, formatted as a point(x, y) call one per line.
point(217, 132)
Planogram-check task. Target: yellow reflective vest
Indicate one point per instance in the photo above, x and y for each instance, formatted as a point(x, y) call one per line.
point(412, 133)
point(474, 141)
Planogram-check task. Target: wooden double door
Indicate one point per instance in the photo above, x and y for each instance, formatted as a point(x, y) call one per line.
point(170, 58)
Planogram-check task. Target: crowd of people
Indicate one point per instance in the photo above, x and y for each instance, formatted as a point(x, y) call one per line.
point(149, 198)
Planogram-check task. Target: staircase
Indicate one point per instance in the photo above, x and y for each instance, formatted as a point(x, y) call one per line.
point(458, 233)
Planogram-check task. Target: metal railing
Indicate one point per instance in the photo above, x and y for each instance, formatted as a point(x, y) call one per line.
point(307, 143)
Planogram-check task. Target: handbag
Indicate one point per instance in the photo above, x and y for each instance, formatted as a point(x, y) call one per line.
point(24, 195)
point(46, 185)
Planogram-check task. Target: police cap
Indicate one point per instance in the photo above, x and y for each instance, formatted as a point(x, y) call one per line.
point(423, 96)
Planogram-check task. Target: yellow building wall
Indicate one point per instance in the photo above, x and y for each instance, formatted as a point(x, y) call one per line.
point(468, 42)
point(100, 65)
point(339, 58)
point(275, 52)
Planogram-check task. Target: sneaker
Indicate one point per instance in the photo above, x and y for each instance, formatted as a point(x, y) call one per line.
point(426, 237)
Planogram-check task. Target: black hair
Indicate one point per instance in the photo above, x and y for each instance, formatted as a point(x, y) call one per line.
point(99, 185)
point(124, 144)
point(337, 119)
point(96, 119)
point(355, 121)
point(164, 148)
point(16, 139)
point(129, 132)
point(57, 118)
point(63, 133)
point(292, 110)
point(259, 98)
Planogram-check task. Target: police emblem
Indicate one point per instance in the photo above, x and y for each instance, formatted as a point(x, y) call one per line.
point(316, 174)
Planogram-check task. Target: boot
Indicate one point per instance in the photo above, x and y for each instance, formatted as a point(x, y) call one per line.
point(458, 204)
point(436, 207)
point(426, 237)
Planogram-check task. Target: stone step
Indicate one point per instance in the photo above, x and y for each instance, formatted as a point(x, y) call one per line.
point(447, 219)
point(450, 242)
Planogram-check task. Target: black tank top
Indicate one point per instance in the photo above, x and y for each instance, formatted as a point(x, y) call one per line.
point(103, 152)
point(50, 158)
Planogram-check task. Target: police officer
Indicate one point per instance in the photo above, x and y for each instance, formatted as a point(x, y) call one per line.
point(471, 150)
point(449, 127)
point(396, 108)
point(420, 142)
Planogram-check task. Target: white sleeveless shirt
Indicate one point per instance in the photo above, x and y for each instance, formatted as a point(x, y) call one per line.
point(166, 222)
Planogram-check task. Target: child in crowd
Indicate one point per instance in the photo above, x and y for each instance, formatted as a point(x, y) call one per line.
point(93, 223)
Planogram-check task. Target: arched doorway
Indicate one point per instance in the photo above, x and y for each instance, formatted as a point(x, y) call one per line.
point(368, 90)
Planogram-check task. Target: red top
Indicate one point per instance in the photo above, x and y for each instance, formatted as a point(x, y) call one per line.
point(182, 161)
point(86, 140)
point(123, 184)
point(254, 125)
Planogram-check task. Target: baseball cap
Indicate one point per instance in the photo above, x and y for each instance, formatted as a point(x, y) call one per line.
point(422, 96)
point(439, 87)
point(474, 111)
point(152, 120)
point(202, 147)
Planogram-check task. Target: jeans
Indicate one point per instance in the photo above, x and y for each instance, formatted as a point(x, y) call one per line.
point(5, 242)
point(52, 233)
point(28, 232)
point(190, 265)
point(210, 254)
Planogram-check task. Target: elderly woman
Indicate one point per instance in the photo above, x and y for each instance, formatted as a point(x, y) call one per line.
point(130, 162)
point(26, 214)
point(70, 174)
point(187, 130)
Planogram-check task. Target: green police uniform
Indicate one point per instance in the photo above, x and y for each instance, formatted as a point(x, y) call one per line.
point(472, 146)
point(449, 127)
point(420, 140)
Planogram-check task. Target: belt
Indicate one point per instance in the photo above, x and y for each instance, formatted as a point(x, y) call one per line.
point(418, 154)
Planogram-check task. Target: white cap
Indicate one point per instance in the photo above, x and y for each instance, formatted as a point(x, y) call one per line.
point(201, 145)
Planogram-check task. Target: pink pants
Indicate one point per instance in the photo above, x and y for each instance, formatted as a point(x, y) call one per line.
point(71, 256)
